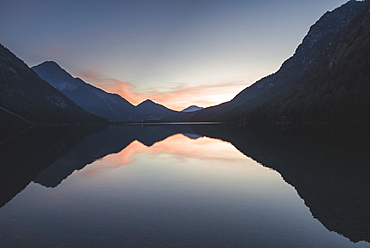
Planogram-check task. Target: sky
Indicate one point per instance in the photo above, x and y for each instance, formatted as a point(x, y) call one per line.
point(175, 52)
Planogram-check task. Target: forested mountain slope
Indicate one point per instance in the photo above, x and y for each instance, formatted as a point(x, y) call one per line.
point(326, 80)
point(26, 98)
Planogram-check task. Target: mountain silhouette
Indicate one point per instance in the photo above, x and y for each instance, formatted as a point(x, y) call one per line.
point(326, 80)
point(26, 98)
point(94, 100)
point(97, 101)
point(149, 110)
point(191, 108)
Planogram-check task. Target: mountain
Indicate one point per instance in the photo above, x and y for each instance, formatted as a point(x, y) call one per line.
point(326, 80)
point(97, 101)
point(191, 108)
point(26, 98)
point(185, 115)
point(94, 100)
point(149, 110)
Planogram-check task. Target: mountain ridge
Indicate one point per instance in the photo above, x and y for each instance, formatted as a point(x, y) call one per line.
point(191, 108)
point(92, 99)
point(262, 101)
point(26, 99)
point(151, 110)
point(97, 101)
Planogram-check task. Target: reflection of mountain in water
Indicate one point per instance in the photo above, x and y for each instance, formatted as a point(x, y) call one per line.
point(98, 145)
point(329, 168)
point(25, 153)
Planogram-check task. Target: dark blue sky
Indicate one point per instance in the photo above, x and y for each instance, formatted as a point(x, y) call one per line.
point(173, 51)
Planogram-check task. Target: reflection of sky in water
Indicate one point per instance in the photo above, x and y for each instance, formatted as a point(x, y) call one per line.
point(181, 191)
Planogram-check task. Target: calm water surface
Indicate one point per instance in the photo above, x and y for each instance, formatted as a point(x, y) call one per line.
point(163, 187)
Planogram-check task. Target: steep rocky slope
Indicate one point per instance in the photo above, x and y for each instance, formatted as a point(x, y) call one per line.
point(326, 80)
point(97, 101)
point(92, 99)
point(26, 98)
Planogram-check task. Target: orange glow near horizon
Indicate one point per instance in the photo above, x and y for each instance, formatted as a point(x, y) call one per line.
point(203, 95)
point(203, 148)
point(112, 161)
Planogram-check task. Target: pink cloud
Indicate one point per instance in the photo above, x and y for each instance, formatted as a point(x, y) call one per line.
point(112, 85)
point(177, 98)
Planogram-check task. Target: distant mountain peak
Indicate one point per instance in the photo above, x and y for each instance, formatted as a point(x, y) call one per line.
point(49, 62)
point(147, 101)
point(191, 108)
point(50, 65)
point(28, 98)
point(54, 74)
point(153, 110)
point(95, 100)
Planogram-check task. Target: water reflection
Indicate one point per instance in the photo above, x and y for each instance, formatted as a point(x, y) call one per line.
point(329, 168)
point(25, 153)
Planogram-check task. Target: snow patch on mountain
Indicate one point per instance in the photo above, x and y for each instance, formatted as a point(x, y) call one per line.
point(191, 108)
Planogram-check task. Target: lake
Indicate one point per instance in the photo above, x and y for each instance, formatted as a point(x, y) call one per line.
point(185, 186)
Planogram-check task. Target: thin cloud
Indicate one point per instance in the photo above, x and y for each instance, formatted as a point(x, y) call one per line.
point(112, 85)
point(176, 97)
